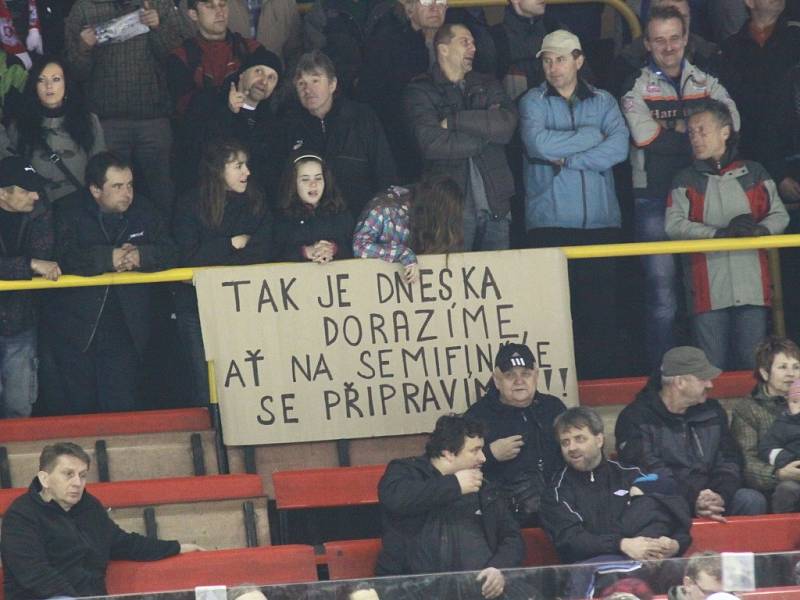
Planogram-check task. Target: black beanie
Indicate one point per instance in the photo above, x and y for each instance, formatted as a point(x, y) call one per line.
point(262, 56)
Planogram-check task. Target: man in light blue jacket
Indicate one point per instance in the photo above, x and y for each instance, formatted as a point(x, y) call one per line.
point(574, 134)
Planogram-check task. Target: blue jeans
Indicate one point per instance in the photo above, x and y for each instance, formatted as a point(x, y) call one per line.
point(748, 502)
point(483, 231)
point(729, 336)
point(18, 378)
point(661, 286)
point(147, 143)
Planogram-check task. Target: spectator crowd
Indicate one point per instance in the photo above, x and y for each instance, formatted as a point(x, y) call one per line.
point(140, 135)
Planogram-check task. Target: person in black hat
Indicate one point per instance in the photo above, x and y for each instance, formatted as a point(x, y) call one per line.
point(204, 61)
point(674, 429)
point(242, 109)
point(521, 450)
point(26, 249)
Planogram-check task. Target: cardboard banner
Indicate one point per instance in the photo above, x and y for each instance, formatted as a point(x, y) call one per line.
point(307, 352)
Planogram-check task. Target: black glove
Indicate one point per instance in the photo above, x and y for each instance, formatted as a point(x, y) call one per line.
point(743, 225)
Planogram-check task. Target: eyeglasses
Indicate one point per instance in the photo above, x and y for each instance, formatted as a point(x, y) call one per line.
point(432, 2)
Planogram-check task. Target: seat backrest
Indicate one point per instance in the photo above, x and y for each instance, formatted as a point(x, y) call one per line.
point(327, 488)
point(539, 550)
point(352, 559)
point(608, 392)
point(259, 566)
point(759, 533)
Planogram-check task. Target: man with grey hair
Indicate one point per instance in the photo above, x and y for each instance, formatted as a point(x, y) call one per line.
point(674, 430)
point(599, 510)
point(728, 293)
point(346, 134)
point(57, 539)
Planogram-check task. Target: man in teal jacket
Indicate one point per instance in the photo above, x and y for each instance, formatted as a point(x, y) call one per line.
point(574, 134)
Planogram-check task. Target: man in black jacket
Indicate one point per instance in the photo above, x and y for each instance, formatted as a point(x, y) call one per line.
point(97, 335)
point(521, 450)
point(57, 539)
point(462, 121)
point(757, 61)
point(438, 515)
point(26, 249)
point(346, 134)
point(598, 509)
point(674, 430)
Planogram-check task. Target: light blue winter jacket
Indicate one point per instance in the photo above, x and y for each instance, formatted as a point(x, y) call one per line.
point(590, 136)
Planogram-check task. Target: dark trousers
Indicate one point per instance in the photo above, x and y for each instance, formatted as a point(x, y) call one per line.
point(104, 378)
point(592, 290)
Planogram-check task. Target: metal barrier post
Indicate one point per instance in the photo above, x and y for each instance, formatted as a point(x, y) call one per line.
point(213, 407)
point(778, 313)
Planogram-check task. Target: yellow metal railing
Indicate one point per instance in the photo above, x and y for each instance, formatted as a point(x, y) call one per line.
point(572, 252)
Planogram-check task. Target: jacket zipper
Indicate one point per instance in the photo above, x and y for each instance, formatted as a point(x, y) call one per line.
point(108, 287)
point(583, 177)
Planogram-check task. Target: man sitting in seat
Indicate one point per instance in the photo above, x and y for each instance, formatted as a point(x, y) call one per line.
point(439, 516)
point(702, 578)
point(56, 540)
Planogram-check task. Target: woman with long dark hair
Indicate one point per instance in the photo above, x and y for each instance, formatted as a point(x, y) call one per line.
point(315, 224)
point(224, 221)
point(53, 129)
point(401, 223)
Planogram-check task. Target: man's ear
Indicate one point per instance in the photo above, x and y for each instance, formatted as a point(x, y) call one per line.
point(43, 476)
point(764, 372)
point(95, 191)
point(192, 14)
point(334, 83)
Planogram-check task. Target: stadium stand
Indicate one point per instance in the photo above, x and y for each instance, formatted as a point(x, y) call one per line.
point(214, 511)
point(257, 566)
point(123, 446)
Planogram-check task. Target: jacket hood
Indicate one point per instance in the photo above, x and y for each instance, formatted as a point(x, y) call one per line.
point(649, 399)
point(35, 488)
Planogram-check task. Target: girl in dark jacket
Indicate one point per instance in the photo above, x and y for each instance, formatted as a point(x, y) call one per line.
point(224, 221)
point(315, 224)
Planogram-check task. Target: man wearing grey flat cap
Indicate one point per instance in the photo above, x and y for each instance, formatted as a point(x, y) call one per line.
point(673, 428)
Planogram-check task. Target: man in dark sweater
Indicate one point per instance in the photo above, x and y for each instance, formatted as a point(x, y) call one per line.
point(521, 451)
point(674, 430)
point(26, 249)
point(57, 539)
point(438, 516)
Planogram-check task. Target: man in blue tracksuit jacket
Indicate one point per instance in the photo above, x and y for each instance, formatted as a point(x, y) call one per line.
point(574, 134)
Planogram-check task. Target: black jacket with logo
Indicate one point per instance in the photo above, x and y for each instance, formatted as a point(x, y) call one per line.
point(588, 513)
point(84, 247)
point(351, 140)
point(540, 457)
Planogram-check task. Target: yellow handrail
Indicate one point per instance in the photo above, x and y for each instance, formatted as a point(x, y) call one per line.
point(572, 252)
